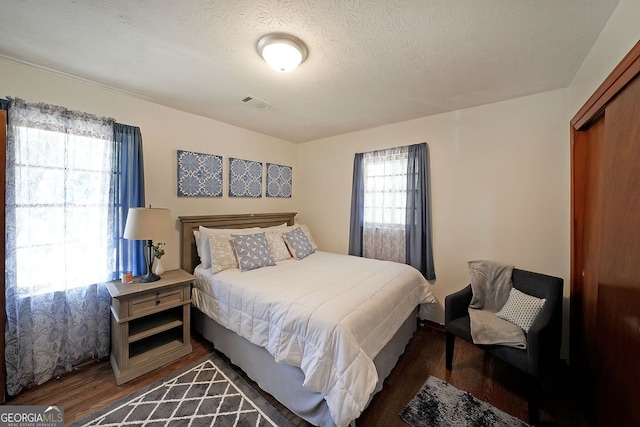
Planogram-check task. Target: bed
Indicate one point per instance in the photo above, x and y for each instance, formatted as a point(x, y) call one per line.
point(321, 347)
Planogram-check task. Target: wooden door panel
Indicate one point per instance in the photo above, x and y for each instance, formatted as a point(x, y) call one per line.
point(618, 306)
point(605, 247)
point(621, 187)
point(618, 376)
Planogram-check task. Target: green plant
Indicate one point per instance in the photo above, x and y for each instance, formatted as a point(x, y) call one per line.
point(158, 250)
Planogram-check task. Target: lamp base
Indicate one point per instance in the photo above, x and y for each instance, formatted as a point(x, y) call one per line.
point(149, 277)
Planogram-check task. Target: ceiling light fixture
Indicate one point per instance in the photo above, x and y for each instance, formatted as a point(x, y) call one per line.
point(283, 52)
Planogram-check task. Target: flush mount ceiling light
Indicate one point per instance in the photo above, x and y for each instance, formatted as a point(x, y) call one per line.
point(283, 52)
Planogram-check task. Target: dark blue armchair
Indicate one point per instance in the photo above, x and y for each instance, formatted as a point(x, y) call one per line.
point(543, 339)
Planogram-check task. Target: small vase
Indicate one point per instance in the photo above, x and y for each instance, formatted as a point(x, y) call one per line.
point(158, 269)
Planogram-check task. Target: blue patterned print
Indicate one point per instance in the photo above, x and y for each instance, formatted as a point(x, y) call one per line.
point(279, 180)
point(245, 178)
point(199, 175)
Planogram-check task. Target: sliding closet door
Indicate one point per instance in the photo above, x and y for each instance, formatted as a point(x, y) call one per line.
point(618, 303)
point(605, 246)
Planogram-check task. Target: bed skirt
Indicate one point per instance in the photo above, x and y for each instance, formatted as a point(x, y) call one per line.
point(284, 382)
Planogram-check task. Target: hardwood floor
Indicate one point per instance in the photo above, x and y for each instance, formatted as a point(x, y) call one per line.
point(93, 386)
point(485, 377)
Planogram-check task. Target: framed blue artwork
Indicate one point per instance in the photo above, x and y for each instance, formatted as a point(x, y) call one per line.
point(245, 178)
point(199, 175)
point(279, 180)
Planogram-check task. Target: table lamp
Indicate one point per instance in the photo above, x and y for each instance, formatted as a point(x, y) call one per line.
point(147, 224)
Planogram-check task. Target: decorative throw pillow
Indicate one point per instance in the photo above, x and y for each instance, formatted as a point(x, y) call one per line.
point(223, 255)
point(521, 309)
point(203, 246)
point(252, 251)
point(298, 243)
point(277, 246)
point(285, 228)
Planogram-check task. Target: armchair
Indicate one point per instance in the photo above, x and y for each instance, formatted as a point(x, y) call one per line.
point(543, 339)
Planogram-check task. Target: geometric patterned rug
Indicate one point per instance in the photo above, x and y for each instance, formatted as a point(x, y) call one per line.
point(439, 404)
point(205, 394)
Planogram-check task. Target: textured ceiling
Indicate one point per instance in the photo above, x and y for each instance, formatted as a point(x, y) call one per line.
point(371, 62)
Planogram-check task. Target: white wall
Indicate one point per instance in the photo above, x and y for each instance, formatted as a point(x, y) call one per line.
point(164, 131)
point(499, 181)
point(617, 38)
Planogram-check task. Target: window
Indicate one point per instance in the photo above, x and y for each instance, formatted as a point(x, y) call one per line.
point(385, 204)
point(71, 177)
point(385, 187)
point(61, 206)
point(390, 207)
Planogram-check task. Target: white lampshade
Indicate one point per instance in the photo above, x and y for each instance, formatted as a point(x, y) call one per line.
point(146, 224)
point(283, 52)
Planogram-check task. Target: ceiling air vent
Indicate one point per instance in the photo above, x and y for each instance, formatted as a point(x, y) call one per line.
point(256, 103)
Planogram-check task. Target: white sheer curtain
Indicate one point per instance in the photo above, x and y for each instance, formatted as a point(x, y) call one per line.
point(385, 202)
point(59, 240)
point(62, 207)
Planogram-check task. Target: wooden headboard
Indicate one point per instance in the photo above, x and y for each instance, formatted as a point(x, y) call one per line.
point(188, 252)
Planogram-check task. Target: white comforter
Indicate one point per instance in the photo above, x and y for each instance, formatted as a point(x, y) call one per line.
point(328, 314)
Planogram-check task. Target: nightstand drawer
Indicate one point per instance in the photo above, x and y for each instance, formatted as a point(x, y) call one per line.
point(154, 301)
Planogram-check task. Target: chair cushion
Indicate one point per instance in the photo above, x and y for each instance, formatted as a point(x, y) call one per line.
point(521, 309)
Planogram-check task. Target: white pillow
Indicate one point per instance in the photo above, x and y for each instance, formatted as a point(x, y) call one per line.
point(286, 228)
point(521, 309)
point(277, 246)
point(307, 233)
point(274, 226)
point(202, 240)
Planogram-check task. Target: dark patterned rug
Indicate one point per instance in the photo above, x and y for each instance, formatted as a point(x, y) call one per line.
point(439, 404)
point(205, 394)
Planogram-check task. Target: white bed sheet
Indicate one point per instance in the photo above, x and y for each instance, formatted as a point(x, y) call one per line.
point(328, 314)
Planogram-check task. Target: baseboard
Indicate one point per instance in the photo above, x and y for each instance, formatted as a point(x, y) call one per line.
point(430, 324)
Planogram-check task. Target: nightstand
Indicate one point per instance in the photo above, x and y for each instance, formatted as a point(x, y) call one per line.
point(150, 323)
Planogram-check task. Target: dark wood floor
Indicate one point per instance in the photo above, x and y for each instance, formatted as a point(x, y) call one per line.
point(93, 386)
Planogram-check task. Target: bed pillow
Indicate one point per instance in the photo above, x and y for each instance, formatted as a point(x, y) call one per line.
point(202, 241)
point(272, 227)
point(252, 251)
point(298, 243)
point(223, 255)
point(521, 309)
point(285, 228)
point(307, 233)
point(196, 235)
point(277, 246)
